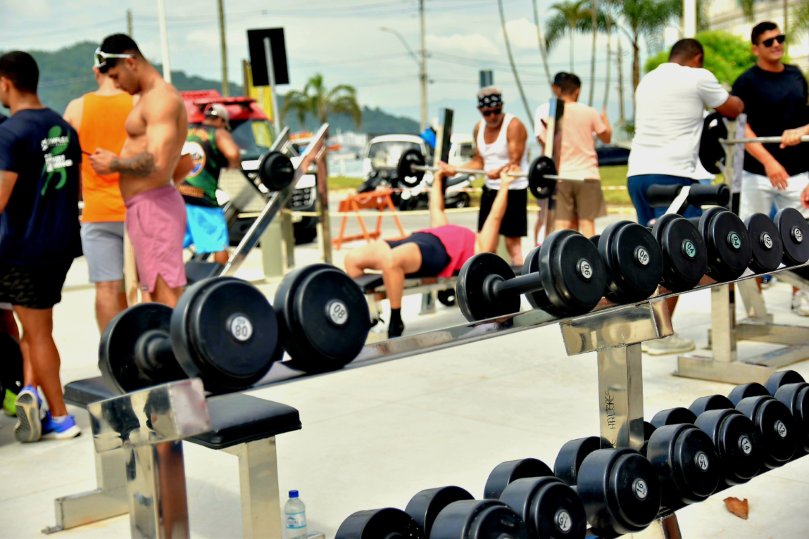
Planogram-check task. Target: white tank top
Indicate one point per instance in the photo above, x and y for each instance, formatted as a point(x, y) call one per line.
point(495, 155)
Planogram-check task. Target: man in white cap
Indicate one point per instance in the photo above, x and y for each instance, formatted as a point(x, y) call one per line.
point(212, 148)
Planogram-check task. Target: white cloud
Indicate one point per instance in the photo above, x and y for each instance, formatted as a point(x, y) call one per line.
point(522, 34)
point(462, 44)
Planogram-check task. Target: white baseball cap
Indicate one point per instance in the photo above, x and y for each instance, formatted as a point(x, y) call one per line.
point(216, 110)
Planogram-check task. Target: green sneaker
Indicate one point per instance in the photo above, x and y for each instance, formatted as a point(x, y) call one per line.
point(9, 403)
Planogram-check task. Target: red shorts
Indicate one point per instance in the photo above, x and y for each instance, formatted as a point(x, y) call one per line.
point(155, 222)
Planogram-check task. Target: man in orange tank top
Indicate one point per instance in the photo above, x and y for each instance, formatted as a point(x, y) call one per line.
point(99, 118)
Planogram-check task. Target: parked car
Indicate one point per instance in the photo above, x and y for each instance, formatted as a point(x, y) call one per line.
point(254, 134)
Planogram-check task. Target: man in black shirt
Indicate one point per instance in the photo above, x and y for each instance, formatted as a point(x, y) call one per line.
point(39, 237)
point(775, 96)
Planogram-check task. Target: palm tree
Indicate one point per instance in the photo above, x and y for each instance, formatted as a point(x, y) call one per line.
point(511, 58)
point(543, 52)
point(320, 102)
point(568, 18)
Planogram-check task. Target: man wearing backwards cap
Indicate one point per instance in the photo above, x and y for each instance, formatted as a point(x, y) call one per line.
point(156, 129)
point(212, 148)
point(499, 144)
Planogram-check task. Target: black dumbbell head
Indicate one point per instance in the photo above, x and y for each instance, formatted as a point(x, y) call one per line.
point(739, 449)
point(796, 398)
point(766, 244)
point(673, 416)
point(710, 402)
point(388, 523)
point(686, 462)
point(620, 491)
point(472, 519)
point(506, 472)
point(473, 290)
point(685, 257)
point(782, 378)
point(777, 430)
point(549, 507)
point(633, 259)
point(571, 455)
point(729, 250)
point(795, 235)
point(425, 505)
point(743, 391)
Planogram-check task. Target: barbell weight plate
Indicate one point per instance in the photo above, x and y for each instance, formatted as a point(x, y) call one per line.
point(686, 462)
point(404, 168)
point(424, 507)
point(388, 523)
point(472, 289)
point(620, 491)
point(795, 235)
point(684, 253)
point(537, 299)
point(775, 426)
point(765, 242)
point(538, 182)
point(225, 332)
point(276, 171)
point(323, 316)
point(474, 519)
point(572, 273)
point(116, 356)
point(733, 435)
point(729, 250)
point(506, 472)
point(711, 150)
point(782, 378)
point(548, 507)
point(571, 455)
point(633, 259)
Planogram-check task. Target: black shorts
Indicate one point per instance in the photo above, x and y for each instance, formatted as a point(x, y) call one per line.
point(434, 257)
point(34, 287)
point(515, 220)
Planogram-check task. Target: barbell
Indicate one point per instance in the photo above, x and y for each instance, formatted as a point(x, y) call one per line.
point(541, 173)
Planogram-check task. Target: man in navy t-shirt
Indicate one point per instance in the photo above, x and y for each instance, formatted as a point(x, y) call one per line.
point(39, 237)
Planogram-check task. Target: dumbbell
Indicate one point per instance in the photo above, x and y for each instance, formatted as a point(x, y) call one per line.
point(766, 243)
point(775, 428)
point(548, 506)
point(223, 330)
point(794, 231)
point(733, 436)
point(387, 523)
point(453, 513)
point(619, 488)
point(565, 277)
point(789, 388)
point(323, 318)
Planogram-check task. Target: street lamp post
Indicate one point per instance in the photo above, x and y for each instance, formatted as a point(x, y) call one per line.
point(421, 61)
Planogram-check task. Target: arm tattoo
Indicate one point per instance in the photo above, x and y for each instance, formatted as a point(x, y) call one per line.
point(141, 164)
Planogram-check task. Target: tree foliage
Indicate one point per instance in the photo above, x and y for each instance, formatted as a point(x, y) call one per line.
point(318, 100)
point(726, 55)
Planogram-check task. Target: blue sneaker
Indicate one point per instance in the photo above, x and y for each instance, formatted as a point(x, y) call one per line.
point(29, 426)
point(62, 428)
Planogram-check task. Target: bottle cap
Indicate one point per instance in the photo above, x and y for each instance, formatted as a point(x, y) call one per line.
point(293, 493)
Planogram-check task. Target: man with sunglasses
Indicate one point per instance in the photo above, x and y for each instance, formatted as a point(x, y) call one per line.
point(212, 148)
point(156, 130)
point(775, 96)
point(500, 143)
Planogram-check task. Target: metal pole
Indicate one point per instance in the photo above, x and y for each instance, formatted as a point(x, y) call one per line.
point(689, 18)
point(224, 48)
point(164, 40)
point(276, 114)
point(422, 67)
point(129, 23)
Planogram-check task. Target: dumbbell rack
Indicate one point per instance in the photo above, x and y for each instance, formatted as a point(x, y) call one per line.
point(724, 365)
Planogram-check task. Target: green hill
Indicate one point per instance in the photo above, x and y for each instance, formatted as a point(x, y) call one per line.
point(66, 74)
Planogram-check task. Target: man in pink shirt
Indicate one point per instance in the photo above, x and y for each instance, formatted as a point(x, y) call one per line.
point(438, 251)
point(578, 202)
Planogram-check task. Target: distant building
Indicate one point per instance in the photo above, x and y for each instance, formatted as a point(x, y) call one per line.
point(727, 15)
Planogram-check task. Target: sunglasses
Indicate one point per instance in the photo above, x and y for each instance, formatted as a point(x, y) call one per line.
point(769, 42)
point(488, 113)
point(100, 58)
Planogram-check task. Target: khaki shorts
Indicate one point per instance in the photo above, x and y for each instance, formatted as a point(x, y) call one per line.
point(579, 200)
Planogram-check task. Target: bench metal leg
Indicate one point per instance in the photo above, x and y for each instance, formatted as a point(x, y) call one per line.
point(258, 479)
point(428, 302)
point(107, 501)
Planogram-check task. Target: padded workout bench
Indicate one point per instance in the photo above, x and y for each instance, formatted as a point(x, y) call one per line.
point(243, 425)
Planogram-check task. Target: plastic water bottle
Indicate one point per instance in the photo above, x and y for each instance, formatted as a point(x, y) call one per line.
point(294, 517)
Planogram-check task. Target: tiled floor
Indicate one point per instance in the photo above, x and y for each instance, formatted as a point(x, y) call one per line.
point(374, 436)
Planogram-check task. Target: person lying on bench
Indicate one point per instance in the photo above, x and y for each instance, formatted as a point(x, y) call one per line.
point(438, 251)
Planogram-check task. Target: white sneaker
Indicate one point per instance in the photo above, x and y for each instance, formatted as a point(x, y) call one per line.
point(800, 303)
point(667, 345)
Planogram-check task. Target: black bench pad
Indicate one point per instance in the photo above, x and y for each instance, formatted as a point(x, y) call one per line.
point(235, 418)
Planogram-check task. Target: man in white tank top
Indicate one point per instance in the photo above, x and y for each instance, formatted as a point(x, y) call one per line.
point(499, 143)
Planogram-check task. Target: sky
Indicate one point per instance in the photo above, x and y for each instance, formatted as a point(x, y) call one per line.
point(340, 39)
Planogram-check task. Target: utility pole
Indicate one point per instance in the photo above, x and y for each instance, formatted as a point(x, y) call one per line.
point(689, 18)
point(164, 40)
point(129, 23)
point(619, 61)
point(224, 48)
point(422, 67)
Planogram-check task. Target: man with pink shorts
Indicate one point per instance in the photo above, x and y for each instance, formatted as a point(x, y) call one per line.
point(156, 130)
